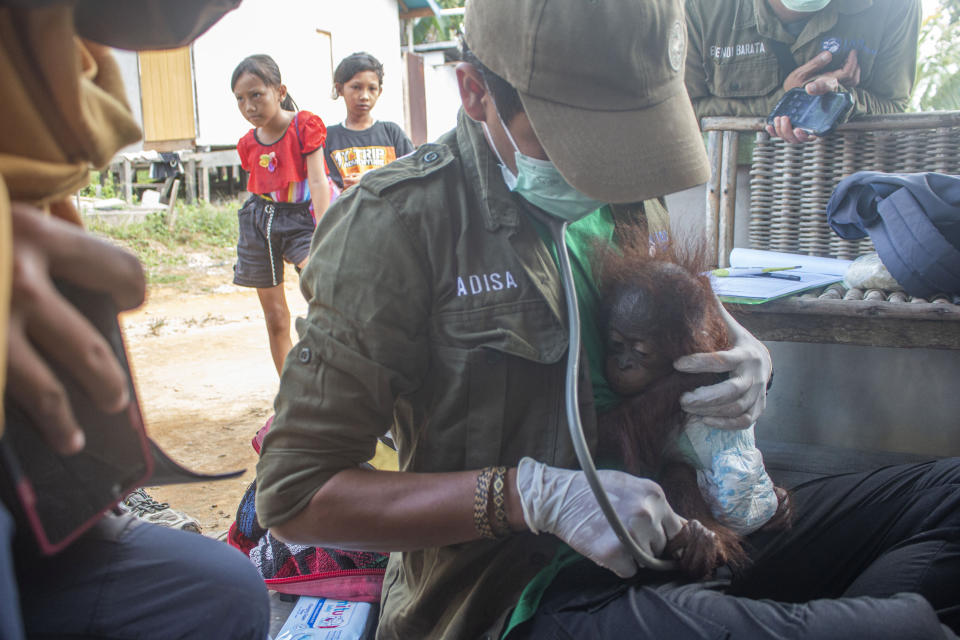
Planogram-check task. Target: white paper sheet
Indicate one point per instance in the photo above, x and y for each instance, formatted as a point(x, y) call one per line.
point(813, 271)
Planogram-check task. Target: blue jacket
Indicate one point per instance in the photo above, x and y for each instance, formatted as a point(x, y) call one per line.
point(913, 220)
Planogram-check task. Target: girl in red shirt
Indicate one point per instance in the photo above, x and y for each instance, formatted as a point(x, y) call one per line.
point(283, 155)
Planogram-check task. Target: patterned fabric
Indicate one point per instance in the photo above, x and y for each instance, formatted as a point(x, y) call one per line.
point(277, 560)
point(304, 569)
point(247, 516)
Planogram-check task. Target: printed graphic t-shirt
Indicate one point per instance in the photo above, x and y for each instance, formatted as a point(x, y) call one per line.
point(279, 170)
point(353, 153)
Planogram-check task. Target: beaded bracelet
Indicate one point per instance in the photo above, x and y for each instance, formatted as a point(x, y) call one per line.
point(481, 519)
point(501, 528)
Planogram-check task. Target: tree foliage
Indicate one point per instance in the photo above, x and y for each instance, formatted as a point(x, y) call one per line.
point(440, 29)
point(938, 63)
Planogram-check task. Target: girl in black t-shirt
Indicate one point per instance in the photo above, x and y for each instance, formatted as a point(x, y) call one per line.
point(361, 143)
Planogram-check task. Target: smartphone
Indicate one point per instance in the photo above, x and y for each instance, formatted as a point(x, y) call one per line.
point(818, 115)
point(59, 497)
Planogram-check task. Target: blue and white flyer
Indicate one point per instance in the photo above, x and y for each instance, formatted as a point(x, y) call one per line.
point(326, 619)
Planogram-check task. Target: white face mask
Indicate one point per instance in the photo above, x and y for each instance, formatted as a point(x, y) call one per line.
point(540, 184)
point(805, 5)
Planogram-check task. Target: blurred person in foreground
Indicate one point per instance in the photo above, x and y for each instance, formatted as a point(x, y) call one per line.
point(64, 110)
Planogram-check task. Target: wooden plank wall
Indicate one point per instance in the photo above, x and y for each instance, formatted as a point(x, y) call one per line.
point(166, 91)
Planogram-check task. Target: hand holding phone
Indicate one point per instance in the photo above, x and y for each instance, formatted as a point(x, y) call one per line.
point(66, 349)
point(47, 331)
point(815, 115)
point(73, 441)
point(60, 496)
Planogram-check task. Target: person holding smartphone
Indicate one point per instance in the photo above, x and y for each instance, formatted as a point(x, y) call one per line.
point(64, 110)
point(744, 55)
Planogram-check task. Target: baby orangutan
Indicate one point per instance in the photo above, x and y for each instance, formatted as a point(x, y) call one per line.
point(656, 308)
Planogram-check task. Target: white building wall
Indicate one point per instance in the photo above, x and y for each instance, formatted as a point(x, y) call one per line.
point(130, 72)
point(287, 31)
point(443, 96)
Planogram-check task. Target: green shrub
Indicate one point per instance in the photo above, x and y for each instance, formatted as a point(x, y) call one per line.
point(97, 190)
point(204, 227)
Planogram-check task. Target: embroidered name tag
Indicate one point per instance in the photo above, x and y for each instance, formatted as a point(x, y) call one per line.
point(738, 50)
point(485, 282)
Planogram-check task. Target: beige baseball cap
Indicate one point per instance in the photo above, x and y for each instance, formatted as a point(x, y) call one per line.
point(602, 84)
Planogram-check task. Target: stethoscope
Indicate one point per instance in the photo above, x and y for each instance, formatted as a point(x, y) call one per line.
point(558, 230)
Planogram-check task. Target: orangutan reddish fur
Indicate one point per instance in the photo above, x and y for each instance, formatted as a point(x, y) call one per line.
point(643, 429)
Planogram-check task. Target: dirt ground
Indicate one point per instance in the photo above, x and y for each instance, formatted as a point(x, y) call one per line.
point(206, 382)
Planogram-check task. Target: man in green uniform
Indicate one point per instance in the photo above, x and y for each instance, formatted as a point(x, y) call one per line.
point(745, 54)
point(436, 311)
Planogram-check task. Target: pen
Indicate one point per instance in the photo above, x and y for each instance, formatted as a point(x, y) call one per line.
point(748, 271)
point(781, 276)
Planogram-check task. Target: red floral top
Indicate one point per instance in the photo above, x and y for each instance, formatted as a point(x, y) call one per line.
point(279, 170)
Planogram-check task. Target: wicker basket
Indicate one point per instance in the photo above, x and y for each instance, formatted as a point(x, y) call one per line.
point(790, 184)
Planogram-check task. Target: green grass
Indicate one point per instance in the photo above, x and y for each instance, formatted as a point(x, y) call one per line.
point(202, 228)
point(167, 278)
point(106, 190)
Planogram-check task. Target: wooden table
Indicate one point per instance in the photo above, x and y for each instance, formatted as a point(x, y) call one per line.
point(871, 323)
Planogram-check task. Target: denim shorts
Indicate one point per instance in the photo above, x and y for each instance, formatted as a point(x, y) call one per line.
point(271, 232)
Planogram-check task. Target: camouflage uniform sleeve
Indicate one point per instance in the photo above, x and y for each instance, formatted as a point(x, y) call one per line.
point(896, 66)
point(362, 344)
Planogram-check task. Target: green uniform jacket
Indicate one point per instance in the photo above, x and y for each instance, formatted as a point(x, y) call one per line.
point(733, 71)
point(435, 311)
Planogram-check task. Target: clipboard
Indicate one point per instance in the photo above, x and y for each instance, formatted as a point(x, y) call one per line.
point(59, 497)
point(813, 272)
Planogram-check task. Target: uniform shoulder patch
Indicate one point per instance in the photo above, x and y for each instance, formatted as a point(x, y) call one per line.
point(427, 159)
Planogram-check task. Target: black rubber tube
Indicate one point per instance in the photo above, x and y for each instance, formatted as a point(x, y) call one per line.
point(558, 231)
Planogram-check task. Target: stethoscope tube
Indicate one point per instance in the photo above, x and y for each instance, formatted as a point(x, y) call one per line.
point(558, 230)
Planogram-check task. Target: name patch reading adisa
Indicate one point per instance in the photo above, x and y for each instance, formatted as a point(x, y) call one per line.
point(485, 282)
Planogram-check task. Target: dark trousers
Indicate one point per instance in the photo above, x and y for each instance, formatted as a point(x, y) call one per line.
point(871, 555)
point(130, 580)
point(10, 626)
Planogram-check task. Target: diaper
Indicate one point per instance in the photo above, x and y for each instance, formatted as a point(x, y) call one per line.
point(732, 476)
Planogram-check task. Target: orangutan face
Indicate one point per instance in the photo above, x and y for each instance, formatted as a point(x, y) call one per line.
point(633, 361)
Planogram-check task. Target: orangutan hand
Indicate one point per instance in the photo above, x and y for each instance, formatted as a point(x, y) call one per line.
point(696, 549)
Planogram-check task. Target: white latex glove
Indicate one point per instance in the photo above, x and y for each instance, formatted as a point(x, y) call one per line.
point(559, 501)
point(738, 401)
